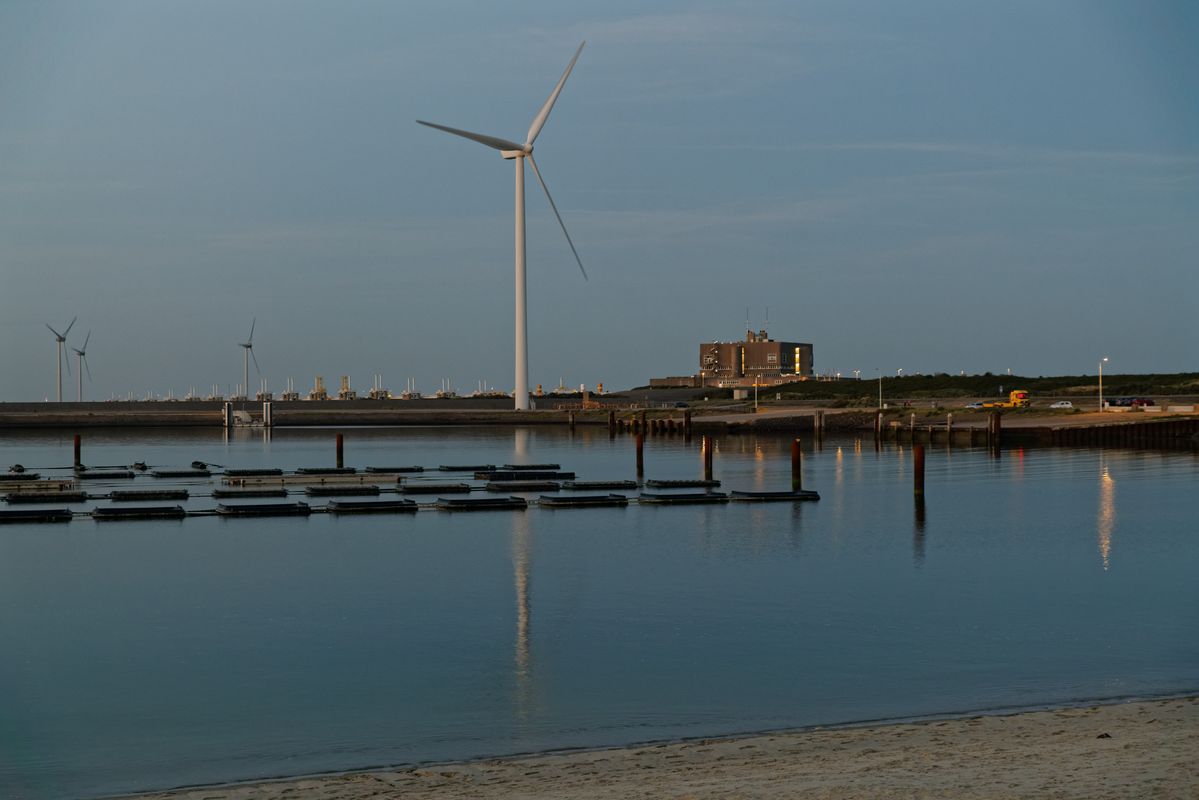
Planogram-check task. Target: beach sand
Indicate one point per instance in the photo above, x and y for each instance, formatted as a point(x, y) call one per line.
point(1127, 750)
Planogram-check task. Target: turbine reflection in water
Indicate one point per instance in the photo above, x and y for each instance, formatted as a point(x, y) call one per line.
point(1107, 513)
point(522, 663)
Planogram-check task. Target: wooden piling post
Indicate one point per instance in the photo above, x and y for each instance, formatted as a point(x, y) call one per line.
point(644, 425)
point(707, 458)
point(687, 424)
point(570, 420)
point(78, 451)
point(640, 455)
point(611, 424)
point(340, 451)
point(796, 466)
point(918, 470)
point(949, 428)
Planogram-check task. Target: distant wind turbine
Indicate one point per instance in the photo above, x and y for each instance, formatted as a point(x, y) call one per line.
point(81, 355)
point(61, 339)
point(518, 153)
point(248, 346)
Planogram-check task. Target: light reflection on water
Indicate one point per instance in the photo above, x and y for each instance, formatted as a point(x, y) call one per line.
point(142, 655)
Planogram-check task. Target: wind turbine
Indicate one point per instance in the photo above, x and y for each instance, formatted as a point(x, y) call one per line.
point(518, 153)
point(61, 338)
point(248, 346)
point(81, 355)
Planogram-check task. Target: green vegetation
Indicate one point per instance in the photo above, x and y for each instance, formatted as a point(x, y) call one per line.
point(850, 392)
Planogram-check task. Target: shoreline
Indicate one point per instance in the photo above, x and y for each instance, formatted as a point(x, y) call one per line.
point(1118, 748)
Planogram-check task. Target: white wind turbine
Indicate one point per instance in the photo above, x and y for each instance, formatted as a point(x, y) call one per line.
point(248, 346)
point(518, 153)
point(81, 355)
point(61, 339)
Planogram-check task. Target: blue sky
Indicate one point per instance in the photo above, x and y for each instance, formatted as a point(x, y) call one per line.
point(932, 186)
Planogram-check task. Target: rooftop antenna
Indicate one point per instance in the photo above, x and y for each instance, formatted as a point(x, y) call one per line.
point(248, 346)
point(767, 328)
point(519, 153)
point(81, 356)
point(61, 339)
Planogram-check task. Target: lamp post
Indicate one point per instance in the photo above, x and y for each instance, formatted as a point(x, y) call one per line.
point(1101, 363)
point(880, 388)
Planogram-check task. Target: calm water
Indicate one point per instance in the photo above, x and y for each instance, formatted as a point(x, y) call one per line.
point(148, 654)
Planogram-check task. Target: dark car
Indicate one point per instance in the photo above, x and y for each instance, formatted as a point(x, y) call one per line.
point(1141, 402)
point(681, 404)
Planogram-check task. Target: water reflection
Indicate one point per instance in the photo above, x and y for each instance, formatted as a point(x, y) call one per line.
point(522, 655)
point(918, 532)
point(1107, 513)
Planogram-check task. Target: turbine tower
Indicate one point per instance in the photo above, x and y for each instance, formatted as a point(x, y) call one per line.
point(61, 339)
point(518, 153)
point(81, 355)
point(248, 346)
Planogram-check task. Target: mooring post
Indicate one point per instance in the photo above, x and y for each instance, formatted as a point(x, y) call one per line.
point(707, 458)
point(644, 426)
point(340, 451)
point(228, 415)
point(878, 426)
point(998, 427)
point(949, 428)
point(796, 466)
point(571, 420)
point(78, 451)
point(687, 424)
point(918, 469)
point(640, 455)
point(912, 423)
point(611, 424)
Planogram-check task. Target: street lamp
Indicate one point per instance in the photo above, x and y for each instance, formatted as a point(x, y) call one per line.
point(1101, 363)
point(880, 388)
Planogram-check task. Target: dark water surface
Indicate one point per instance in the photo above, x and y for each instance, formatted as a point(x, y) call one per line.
point(140, 655)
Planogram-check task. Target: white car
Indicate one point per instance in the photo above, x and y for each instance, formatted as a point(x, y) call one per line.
point(1062, 404)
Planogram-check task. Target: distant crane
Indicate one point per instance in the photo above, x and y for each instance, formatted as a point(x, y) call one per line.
point(81, 356)
point(61, 339)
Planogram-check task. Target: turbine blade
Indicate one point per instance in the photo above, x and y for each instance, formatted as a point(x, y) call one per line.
point(491, 141)
point(546, 189)
point(88, 368)
point(67, 359)
point(85, 341)
point(544, 113)
point(72, 325)
point(256, 369)
point(57, 335)
point(253, 322)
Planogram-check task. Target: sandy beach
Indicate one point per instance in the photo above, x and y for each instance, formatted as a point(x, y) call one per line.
point(1127, 750)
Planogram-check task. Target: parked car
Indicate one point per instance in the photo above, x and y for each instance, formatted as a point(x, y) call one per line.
point(1062, 404)
point(974, 405)
point(1141, 402)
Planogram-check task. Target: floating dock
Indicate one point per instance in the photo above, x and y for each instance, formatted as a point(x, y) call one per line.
point(523, 475)
point(104, 474)
point(125, 495)
point(681, 498)
point(253, 472)
point(395, 470)
point(482, 504)
point(595, 486)
point(773, 497)
point(248, 493)
point(533, 467)
point(181, 473)
point(15, 498)
point(264, 510)
point(683, 484)
point(435, 488)
point(326, 471)
point(583, 501)
point(372, 506)
point(341, 491)
point(25, 515)
point(522, 486)
point(138, 512)
point(467, 467)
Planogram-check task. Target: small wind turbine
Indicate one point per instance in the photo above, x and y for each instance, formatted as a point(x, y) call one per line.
point(248, 346)
point(61, 339)
point(518, 153)
point(81, 356)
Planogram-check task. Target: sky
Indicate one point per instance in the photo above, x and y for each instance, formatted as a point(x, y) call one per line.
point(925, 186)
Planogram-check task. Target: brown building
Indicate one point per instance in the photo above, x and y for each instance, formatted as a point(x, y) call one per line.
point(757, 359)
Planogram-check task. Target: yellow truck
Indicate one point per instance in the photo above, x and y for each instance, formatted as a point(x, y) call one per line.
point(1017, 398)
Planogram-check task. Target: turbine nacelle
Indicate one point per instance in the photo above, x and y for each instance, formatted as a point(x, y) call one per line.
point(508, 155)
